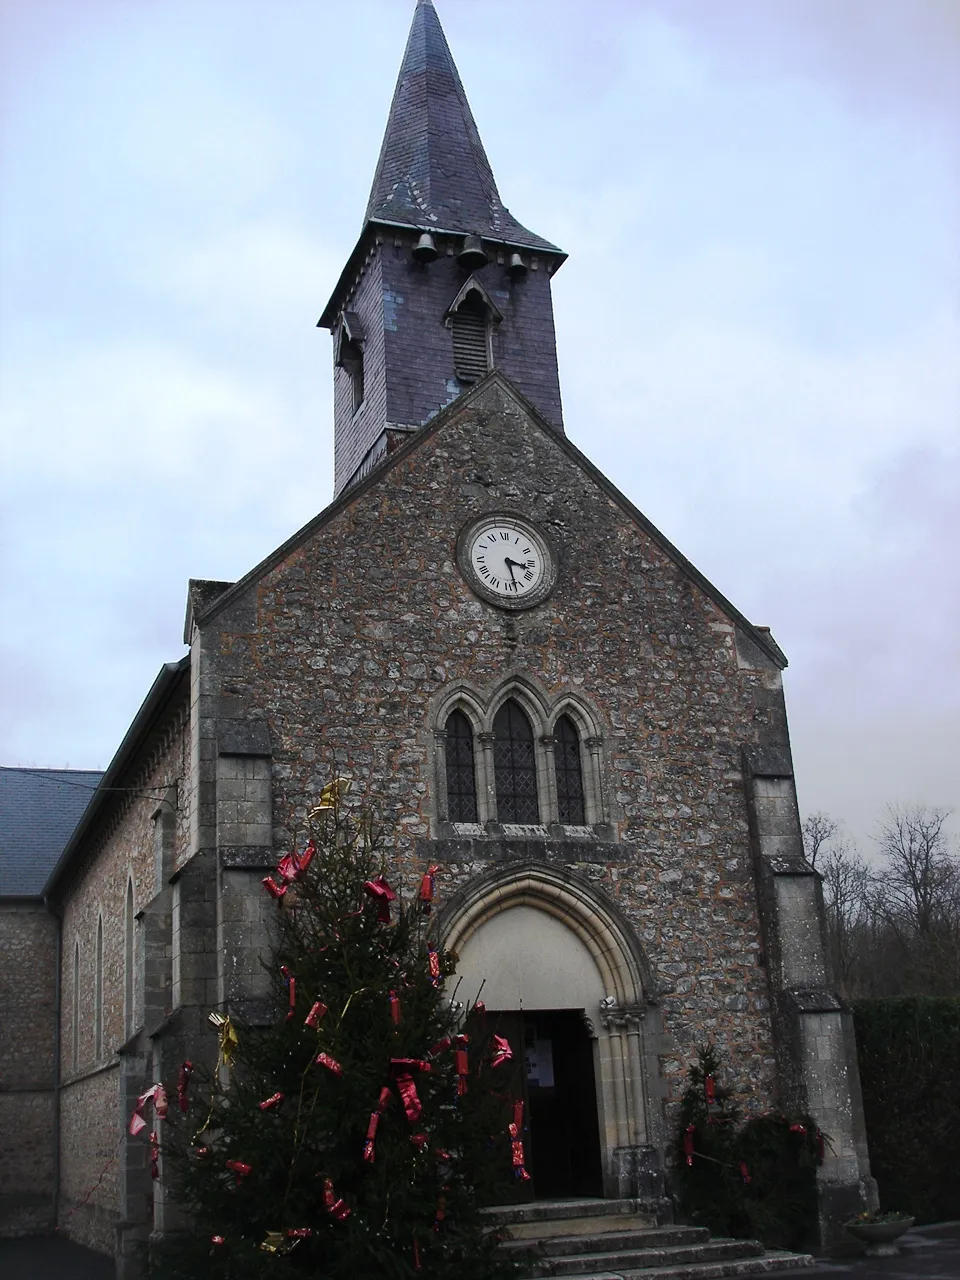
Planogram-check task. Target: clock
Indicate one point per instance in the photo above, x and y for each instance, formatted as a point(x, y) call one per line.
point(506, 560)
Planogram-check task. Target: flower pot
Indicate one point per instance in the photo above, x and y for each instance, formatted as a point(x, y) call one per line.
point(880, 1236)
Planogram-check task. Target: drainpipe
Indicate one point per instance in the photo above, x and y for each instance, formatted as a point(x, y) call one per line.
point(56, 1063)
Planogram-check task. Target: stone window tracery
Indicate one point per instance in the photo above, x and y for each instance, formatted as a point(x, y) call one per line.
point(510, 760)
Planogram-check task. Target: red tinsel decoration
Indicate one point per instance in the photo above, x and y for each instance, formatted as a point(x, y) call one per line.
point(272, 1101)
point(710, 1088)
point(183, 1080)
point(370, 1143)
point(434, 959)
point(317, 1010)
point(688, 1143)
point(324, 1060)
point(337, 1208)
point(383, 895)
point(217, 1240)
point(299, 1233)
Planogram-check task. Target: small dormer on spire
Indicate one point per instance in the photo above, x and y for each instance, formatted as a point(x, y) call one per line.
point(435, 230)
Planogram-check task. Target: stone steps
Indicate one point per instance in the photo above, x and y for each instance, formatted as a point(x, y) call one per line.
point(618, 1240)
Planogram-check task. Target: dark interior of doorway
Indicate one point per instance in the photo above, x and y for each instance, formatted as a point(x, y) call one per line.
point(555, 1077)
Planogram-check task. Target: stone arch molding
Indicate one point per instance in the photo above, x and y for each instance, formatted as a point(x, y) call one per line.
point(480, 706)
point(623, 1021)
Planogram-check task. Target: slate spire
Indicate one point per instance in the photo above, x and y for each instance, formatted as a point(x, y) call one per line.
point(433, 172)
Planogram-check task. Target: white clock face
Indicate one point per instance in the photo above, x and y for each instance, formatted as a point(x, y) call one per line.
point(507, 560)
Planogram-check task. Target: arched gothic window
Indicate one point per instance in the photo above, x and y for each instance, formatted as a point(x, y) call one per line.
point(98, 994)
point(75, 1054)
point(461, 769)
point(566, 752)
point(515, 766)
point(128, 963)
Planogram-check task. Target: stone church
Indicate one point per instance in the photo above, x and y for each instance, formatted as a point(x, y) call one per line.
point(531, 685)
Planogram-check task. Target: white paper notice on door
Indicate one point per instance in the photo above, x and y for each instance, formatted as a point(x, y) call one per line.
point(540, 1063)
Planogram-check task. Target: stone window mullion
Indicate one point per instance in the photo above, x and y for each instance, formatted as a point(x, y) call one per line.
point(487, 789)
point(549, 808)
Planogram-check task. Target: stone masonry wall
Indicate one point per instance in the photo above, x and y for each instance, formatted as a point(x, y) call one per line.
point(348, 643)
point(129, 843)
point(28, 969)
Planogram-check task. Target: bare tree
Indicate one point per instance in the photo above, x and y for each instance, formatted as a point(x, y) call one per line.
point(819, 829)
point(921, 868)
point(846, 896)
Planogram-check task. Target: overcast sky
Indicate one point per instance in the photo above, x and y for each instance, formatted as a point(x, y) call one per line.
point(759, 324)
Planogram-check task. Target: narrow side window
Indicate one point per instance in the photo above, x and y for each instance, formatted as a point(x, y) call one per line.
point(461, 770)
point(98, 995)
point(515, 766)
point(75, 1049)
point(128, 963)
point(566, 753)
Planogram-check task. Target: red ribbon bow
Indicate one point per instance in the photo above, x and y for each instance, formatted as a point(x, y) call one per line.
point(501, 1052)
point(290, 868)
point(383, 895)
point(155, 1094)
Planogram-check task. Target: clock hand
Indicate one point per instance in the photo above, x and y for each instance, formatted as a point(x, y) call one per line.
point(510, 563)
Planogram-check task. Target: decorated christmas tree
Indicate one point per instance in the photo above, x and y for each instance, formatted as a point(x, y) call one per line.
point(752, 1179)
point(361, 1134)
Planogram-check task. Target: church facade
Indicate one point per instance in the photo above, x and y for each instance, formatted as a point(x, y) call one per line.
point(533, 689)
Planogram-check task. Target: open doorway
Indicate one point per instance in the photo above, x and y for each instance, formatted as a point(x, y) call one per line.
point(554, 1074)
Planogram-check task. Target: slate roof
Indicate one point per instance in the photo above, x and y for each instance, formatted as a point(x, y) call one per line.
point(433, 171)
point(39, 809)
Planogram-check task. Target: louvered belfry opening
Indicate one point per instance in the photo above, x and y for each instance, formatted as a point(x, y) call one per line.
point(471, 346)
point(566, 752)
point(515, 766)
point(461, 773)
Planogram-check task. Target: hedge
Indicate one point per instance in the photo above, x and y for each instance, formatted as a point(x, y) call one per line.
point(909, 1054)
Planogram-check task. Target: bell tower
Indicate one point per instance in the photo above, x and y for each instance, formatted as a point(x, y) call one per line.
point(444, 284)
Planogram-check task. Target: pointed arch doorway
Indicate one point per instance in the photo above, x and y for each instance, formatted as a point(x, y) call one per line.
point(564, 979)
